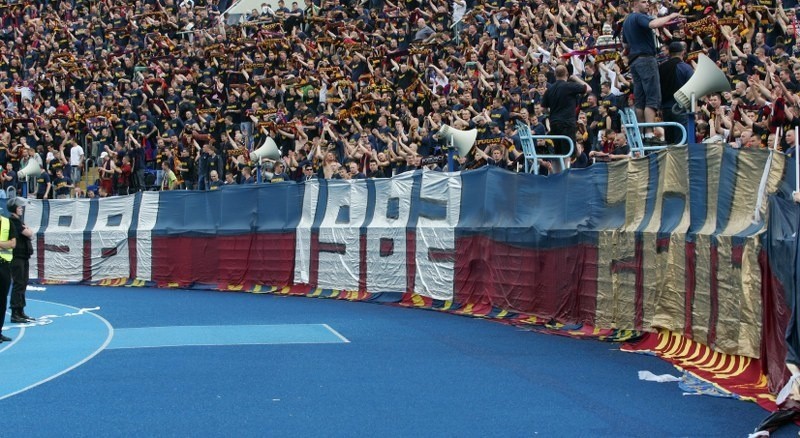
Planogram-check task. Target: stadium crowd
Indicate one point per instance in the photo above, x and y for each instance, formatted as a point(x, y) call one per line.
point(155, 94)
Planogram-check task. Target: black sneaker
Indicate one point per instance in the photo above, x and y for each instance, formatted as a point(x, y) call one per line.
point(4, 339)
point(30, 319)
point(19, 319)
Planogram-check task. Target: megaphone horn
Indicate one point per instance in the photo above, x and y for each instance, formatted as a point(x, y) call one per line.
point(267, 150)
point(707, 79)
point(30, 169)
point(461, 140)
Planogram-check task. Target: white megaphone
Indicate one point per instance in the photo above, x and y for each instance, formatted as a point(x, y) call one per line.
point(707, 79)
point(461, 140)
point(30, 169)
point(267, 150)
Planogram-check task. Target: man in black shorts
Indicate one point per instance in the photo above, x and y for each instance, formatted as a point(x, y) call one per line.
point(640, 43)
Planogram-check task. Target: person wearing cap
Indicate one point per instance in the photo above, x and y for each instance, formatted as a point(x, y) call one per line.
point(22, 252)
point(673, 74)
point(8, 241)
point(640, 43)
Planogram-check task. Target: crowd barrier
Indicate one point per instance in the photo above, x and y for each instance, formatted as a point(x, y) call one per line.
point(691, 240)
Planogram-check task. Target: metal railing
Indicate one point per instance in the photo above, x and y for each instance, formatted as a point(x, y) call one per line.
point(532, 158)
point(457, 27)
point(634, 134)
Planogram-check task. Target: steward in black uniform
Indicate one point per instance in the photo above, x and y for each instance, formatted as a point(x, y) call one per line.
point(19, 264)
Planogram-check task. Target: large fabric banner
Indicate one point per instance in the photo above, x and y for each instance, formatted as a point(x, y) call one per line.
point(693, 240)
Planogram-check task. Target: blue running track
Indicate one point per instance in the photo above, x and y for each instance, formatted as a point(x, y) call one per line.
point(150, 362)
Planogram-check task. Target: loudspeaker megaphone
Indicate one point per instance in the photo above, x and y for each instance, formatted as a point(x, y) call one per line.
point(707, 79)
point(461, 140)
point(267, 150)
point(30, 169)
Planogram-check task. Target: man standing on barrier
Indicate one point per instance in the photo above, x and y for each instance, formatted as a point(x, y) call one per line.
point(562, 99)
point(8, 241)
point(19, 264)
point(640, 43)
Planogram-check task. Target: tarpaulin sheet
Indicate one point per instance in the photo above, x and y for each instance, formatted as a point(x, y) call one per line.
point(726, 373)
point(691, 239)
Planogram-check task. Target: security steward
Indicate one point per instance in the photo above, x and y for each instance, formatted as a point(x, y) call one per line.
point(19, 265)
point(8, 241)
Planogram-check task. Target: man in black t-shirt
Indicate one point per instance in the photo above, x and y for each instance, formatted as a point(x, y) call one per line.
point(63, 185)
point(562, 99)
point(43, 185)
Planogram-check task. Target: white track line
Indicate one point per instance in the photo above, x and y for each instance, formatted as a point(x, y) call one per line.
point(337, 334)
point(86, 359)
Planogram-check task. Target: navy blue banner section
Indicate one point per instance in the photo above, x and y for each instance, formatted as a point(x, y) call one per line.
point(698, 188)
point(534, 211)
point(235, 210)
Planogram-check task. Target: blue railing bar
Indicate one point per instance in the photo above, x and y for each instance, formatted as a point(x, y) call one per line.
point(554, 156)
point(684, 136)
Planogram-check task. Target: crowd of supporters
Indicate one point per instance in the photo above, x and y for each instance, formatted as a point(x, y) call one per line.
point(156, 94)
